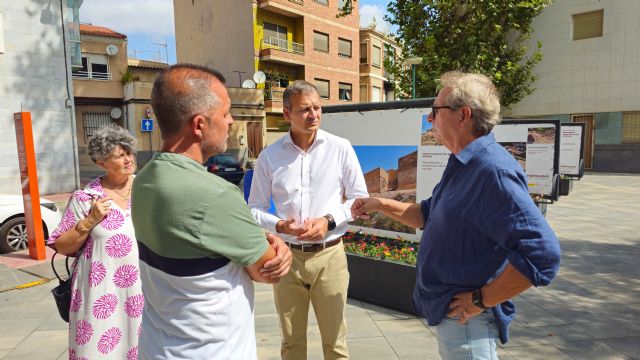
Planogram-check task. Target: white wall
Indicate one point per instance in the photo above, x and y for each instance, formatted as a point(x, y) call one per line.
point(33, 78)
point(591, 75)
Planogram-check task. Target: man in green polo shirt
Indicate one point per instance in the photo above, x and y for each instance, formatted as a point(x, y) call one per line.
point(199, 245)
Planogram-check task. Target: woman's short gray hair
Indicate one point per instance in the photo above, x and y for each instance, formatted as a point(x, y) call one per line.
point(297, 87)
point(479, 93)
point(105, 139)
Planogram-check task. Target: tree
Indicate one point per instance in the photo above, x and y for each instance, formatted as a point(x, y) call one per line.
point(489, 37)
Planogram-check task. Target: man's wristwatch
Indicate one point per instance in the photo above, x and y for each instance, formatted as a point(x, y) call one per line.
point(331, 223)
point(476, 299)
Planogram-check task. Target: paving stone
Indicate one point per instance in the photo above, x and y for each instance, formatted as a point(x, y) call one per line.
point(629, 346)
point(371, 349)
point(589, 349)
point(538, 352)
point(409, 339)
point(41, 345)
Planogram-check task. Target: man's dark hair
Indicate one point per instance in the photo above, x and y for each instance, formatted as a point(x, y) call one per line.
point(180, 92)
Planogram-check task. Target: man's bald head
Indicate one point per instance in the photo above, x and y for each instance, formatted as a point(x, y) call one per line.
point(182, 91)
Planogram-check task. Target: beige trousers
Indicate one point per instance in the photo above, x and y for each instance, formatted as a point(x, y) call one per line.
point(321, 278)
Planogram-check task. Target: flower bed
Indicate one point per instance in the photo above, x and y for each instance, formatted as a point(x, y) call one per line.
point(382, 270)
point(381, 248)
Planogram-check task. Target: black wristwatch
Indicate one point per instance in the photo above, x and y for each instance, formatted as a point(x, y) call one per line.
point(476, 299)
point(331, 224)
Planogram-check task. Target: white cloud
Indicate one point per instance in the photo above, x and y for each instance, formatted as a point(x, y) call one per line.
point(148, 17)
point(368, 12)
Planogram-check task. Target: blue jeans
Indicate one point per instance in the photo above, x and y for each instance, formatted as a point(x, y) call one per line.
point(475, 340)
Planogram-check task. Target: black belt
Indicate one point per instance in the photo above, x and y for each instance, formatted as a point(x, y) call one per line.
point(315, 247)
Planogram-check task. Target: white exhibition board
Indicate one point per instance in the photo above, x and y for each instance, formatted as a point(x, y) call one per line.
point(388, 142)
point(571, 149)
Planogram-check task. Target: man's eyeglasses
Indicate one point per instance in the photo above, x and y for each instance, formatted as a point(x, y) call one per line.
point(435, 109)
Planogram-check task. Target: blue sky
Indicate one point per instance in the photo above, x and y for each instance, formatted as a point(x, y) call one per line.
point(386, 157)
point(150, 22)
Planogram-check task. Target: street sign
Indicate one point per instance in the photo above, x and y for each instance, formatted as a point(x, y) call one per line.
point(146, 125)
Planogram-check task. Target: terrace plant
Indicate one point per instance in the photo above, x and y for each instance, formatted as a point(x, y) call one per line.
point(381, 248)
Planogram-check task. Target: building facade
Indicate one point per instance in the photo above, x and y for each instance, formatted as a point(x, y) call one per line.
point(590, 73)
point(97, 86)
point(38, 48)
point(285, 40)
point(376, 48)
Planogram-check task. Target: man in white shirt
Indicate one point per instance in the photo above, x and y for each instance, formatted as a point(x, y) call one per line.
point(313, 178)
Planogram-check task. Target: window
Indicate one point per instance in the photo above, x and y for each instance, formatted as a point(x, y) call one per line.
point(631, 127)
point(73, 31)
point(92, 121)
point(323, 88)
point(341, 4)
point(323, 2)
point(275, 35)
point(344, 91)
point(375, 94)
point(587, 25)
point(363, 53)
point(320, 41)
point(344, 48)
point(375, 55)
point(364, 94)
point(94, 66)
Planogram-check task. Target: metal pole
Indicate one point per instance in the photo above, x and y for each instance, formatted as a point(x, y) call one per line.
point(413, 81)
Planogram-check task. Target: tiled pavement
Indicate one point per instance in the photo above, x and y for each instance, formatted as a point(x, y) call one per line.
point(591, 311)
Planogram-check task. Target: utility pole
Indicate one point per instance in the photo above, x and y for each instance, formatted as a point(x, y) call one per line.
point(240, 77)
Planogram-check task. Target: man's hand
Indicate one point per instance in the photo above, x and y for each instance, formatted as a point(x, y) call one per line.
point(289, 227)
point(363, 206)
point(461, 307)
point(278, 266)
point(316, 229)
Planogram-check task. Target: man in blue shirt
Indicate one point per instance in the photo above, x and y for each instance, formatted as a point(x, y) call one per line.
point(484, 239)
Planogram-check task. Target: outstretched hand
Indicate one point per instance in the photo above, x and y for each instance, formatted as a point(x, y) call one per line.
point(363, 206)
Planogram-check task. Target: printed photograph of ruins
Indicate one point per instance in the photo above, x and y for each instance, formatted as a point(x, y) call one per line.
point(518, 150)
point(541, 135)
point(390, 172)
point(428, 137)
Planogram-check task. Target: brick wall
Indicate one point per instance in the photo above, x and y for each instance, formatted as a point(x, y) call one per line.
point(407, 171)
point(377, 181)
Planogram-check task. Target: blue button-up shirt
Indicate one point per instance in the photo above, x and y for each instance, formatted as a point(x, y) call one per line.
point(480, 217)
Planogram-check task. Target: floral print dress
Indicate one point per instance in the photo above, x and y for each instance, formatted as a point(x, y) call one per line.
point(106, 294)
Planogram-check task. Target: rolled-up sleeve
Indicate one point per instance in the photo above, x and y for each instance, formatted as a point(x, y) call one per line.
point(518, 226)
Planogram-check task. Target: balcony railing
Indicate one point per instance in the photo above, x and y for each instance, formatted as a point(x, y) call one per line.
point(284, 45)
point(274, 94)
point(91, 75)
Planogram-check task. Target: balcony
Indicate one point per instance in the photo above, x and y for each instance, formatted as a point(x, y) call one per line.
point(273, 99)
point(290, 8)
point(282, 51)
point(93, 75)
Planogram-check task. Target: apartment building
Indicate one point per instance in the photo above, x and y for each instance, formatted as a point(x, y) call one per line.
point(590, 74)
point(284, 39)
point(39, 45)
point(376, 47)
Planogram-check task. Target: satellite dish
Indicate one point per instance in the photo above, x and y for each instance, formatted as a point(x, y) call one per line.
point(116, 113)
point(111, 49)
point(259, 77)
point(248, 84)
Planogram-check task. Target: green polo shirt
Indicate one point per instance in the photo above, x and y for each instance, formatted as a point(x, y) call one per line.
point(181, 211)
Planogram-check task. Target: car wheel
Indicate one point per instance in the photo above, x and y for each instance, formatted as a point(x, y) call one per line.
point(13, 235)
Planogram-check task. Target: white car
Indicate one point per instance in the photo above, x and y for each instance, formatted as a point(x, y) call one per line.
point(13, 230)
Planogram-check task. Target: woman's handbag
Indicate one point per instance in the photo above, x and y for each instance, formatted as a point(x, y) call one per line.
point(62, 292)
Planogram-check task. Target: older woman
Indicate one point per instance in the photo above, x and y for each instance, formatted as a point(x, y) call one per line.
point(107, 300)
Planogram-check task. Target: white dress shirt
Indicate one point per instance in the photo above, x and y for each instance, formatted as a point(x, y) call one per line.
point(326, 179)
